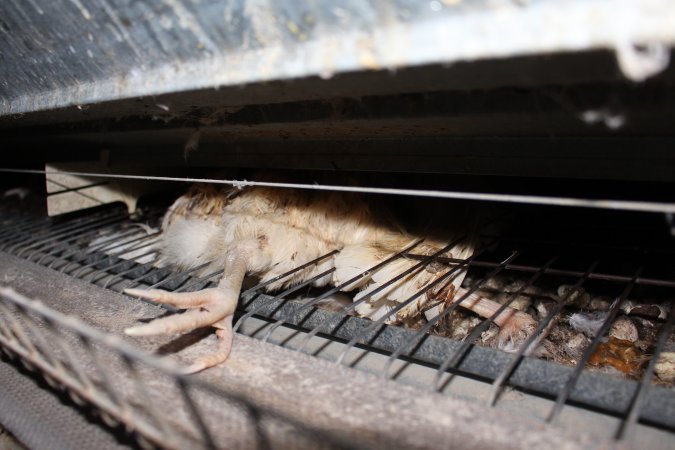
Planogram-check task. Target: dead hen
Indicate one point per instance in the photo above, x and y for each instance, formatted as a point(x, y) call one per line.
point(266, 232)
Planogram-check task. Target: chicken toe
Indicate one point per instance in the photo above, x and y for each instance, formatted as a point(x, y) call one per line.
point(207, 308)
point(221, 353)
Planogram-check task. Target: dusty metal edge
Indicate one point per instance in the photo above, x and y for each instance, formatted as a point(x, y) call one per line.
point(512, 29)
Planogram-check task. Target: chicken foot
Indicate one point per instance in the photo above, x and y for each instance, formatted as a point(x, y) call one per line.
point(209, 307)
point(515, 326)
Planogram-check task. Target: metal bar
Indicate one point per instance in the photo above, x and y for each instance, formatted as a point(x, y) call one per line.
point(20, 228)
point(51, 228)
point(281, 297)
point(625, 205)
point(168, 278)
point(581, 364)
point(642, 389)
point(141, 391)
point(21, 236)
point(415, 268)
point(17, 330)
point(423, 330)
point(108, 255)
point(78, 369)
point(358, 336)
point(196, 415)
point(468, 342)
point(118, 276)
point(259, 286)
point(83, 253)
point(62, 246)
point(355, 278)
point(71, 235)
point(560, 272)
point(101, 273)
point(499, 382)
point(69, 382)
point(66, 231)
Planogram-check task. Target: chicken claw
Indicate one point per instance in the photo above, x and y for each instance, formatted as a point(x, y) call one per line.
point(209, 307)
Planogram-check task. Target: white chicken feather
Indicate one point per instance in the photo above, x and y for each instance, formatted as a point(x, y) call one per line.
point(267, 232)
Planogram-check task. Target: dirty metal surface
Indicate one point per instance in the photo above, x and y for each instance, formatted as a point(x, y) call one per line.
point(59, 54)
point(331, 399)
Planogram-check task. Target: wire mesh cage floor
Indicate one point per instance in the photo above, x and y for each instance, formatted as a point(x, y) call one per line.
point(105, 246)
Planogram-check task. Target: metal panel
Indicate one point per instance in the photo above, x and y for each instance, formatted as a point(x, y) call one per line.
point(64, 53)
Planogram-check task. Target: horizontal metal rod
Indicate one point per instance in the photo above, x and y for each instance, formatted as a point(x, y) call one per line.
point(624, 205)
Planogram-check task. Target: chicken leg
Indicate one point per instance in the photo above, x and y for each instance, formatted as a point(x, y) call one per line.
point(209, 307)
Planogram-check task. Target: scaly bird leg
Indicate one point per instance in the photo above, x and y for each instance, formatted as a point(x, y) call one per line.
point(209, 307)
point(515, 326)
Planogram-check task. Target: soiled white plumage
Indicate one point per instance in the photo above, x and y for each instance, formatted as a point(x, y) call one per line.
point(267, 232)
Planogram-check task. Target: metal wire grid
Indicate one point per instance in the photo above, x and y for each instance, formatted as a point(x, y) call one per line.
point(64, 247)
point(80, 360)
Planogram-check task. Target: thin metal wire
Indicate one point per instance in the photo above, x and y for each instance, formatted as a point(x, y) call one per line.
point(196, 415)
point(82, 254)
point(642, 390)
point(65, 246)
point(78, 188)
point(380, 322)
point(109, 256)
point(120, 275)
point(68, 231)
point(17, 330)
point(622, 279)
point(102, 273)
point(266, 283)
point(50, 230)
point(69, 354)
point(425, 329)
point(625, 205)
point(504, 375)
point(62, 241)
point(168, 278)
point(28, 225)
point(76, 191)
point(415, 268)
point(349, 282)
point(282, 297)
point(141, 392)
point(581, 364)
point(468, 342)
